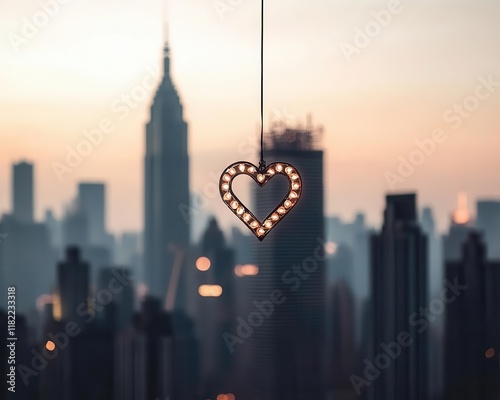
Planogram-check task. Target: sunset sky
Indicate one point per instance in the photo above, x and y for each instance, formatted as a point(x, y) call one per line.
point(394, 91)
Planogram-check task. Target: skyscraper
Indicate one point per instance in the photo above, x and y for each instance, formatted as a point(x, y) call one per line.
point(215, 314)
point(166, 188)
point(472, 327)
point(435, 283)
point(23, 192)
point(428, 224)
point(399, 289)
point(75, 228)
point(92, 203)
point(459, 230)
point(144, 356)
point(73, 276)
point(31, 269)
point(288, 348)
point(117, 315)
point(341, 347)
point(488, 221)
point(83, 226)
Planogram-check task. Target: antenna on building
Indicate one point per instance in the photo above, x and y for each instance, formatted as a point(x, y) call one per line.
point(166, 38)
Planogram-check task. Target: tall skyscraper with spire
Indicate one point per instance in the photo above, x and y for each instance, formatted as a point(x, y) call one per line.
point(166, 229)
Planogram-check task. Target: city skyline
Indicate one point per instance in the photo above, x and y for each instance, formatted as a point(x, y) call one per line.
point(359, 151)
point(126, 276)
point(400, 281)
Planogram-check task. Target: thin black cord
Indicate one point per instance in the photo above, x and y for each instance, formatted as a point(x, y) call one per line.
point(262, 162)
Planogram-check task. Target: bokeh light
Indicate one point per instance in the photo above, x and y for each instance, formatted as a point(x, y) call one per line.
point(330, 248)
point(490, 353)
point(50, 345)
point(210, 290)
point(246, 270)
point(203, 264)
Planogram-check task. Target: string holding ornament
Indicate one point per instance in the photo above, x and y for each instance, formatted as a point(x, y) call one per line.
point(261, 175)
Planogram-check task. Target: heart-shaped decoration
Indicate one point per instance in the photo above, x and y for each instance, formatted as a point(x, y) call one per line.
point(261, 177)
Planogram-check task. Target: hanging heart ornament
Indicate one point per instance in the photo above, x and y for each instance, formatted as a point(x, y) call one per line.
point(261, 176)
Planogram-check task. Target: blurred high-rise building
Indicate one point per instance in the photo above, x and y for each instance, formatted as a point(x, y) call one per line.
point(340, 264)
point(399, 290)
point(488, 221)
point(156, 357)
point(23, 192)
point(75, 227)
point(341, 341)
point(215, 314)
point(30, 269)
point(242, 244)
point(55, 228)
point(288, 347)
point(83, 226)
point(435, 283)
point(350, 241)
point(166, 207)
point(117, 313)
point(26, 254)
point(354, 237)
point(460, 227)
point(73, 286)
point(428, 224)
point(92, 203)
point(146, 357)
point(128, 251)
point(78, 350)
point(472, 326)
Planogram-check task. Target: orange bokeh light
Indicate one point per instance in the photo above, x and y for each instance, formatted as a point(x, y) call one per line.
point(50, 345)
point(490, 353)
point(246, 270)
point(203, 264)
point(210, 290)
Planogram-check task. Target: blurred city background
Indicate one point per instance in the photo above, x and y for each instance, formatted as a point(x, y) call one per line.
point(133, 280)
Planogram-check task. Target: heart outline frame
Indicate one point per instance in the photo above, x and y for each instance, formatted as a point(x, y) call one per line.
point(261, 176)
